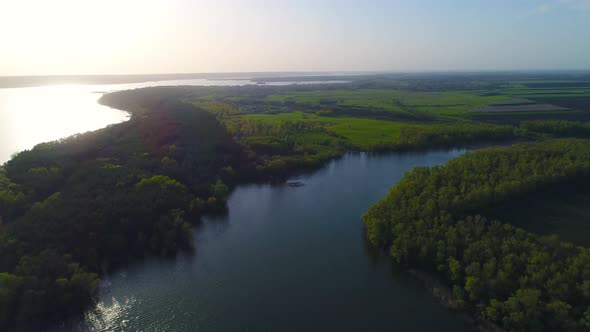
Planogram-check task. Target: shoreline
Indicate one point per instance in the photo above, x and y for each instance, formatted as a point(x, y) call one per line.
point(445, 297)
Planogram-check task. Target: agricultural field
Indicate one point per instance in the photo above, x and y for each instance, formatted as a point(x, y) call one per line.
point(367, 115)
point(551, 100)
point(514, 101)
point(430, 103)
point(405, 102)
point(361, 133)
point(573, 102)
point(521, 108)
point(544, 89)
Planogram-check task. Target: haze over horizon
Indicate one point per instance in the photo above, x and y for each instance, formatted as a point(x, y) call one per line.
point(65, 37)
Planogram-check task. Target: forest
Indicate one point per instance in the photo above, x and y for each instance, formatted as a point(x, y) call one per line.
point(76, 208)
point(432, 220)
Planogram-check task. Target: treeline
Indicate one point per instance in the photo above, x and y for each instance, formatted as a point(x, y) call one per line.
point(444, 136)
point(283, 147)
point(368, 113)
point(72, 209)
point(521, 281)
point(557, 128)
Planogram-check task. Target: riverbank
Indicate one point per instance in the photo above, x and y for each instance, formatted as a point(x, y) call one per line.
point(444, 295)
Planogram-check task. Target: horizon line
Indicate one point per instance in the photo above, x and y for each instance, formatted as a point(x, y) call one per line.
point(330, 72)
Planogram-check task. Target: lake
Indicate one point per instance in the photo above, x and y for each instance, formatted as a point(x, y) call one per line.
point(282, 259)
point(32, 115)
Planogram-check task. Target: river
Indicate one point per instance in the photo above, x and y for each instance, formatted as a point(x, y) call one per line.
point(282, 259)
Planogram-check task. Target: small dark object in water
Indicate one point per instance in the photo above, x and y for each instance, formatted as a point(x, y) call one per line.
point(295, 184)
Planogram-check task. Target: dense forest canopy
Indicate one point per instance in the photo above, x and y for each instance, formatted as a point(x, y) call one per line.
point(522, 281)
point(73, 208)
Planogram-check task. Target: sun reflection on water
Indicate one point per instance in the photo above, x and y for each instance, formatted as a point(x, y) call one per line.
point(110, 316)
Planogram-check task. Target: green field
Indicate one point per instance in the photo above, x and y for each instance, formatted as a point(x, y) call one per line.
point(406, 105)
point(433, 103)
point(362, 133)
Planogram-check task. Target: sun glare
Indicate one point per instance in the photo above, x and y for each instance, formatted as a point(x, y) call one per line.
point(72, 37)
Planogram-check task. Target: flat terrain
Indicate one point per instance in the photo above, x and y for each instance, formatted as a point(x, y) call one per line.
point(383, 112)
point(514, 101)
point(521, 108)
point(360, 131)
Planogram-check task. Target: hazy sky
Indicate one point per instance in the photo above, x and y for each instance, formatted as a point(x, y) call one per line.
point(180, 36)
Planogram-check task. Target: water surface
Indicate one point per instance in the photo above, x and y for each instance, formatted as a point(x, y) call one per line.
point(283, 259)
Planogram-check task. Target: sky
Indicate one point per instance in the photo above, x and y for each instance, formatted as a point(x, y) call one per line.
point(76, 37)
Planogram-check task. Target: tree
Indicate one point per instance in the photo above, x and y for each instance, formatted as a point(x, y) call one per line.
point(219, 189)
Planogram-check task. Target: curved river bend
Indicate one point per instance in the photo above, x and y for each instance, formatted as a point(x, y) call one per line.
point(283, 259)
